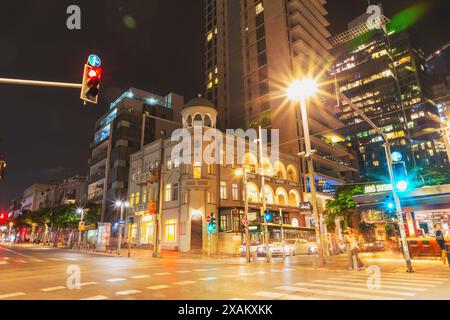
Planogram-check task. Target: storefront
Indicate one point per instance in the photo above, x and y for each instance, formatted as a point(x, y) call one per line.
point(422, 209)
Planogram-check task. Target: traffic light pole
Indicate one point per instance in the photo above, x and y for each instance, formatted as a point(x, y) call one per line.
point(40, 83)
point(398, 206)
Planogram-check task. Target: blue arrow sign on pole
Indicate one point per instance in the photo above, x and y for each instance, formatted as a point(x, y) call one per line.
point(94, 61)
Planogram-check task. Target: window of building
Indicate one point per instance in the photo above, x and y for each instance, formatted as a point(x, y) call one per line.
point(168, 193)
point(235, 191)
point(210, 198)
point(223, 190)
point(171, 230)
point(197, 170)
point(169, 165)
point(259, 8)
point(175, 192)
point(211, 169)
point(138, 198)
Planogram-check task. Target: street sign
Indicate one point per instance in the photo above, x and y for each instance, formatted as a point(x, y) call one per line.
point(152, 207)
point(208, 219)
point(245, 222)
point(94, 61)
point(396, 156)
point(306, 206)
point(122, 222)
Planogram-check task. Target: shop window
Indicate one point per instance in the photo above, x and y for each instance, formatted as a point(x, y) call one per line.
point(170, 230)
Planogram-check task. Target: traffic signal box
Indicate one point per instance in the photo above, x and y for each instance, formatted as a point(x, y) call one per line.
point(90, 87)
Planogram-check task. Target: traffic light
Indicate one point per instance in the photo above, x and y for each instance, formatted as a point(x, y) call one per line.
point(212, 226)
point(390, 204)
point(400, 176)
point(268, 216)
point(2, 168)
point(90, 87)
point(131, 220)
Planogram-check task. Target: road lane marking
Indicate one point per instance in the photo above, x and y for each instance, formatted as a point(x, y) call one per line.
point(214, 269)
point(37, 260)
point(208, 279)
point(184, 271)
point(275, 270)
point(140, 277)
point(261, 272)
point(267, 294)
point(383, 282)
point(54, 259)
point(20, 261)
point(3, 262)
point(12, 295)
point(399, 280)
point(161, 274)
point(71, 259)
point(364, 284)
point(201, 270)
point(116, 280)
point(53, 289)
point(334, 293)
point(229, 276)
point(287, 269)
point(243, 274)
point(96, 298)
point(184, 283)
point(158, 287)
point(88, 284)
point(409, 276)
point(236, 299)
point(356, 288)
point(128, 292)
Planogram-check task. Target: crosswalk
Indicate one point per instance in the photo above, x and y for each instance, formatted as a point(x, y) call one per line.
point(390, 286)
point(24, 261)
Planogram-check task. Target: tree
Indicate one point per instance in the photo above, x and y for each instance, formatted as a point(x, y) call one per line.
point(430, 176)
point(342, 206)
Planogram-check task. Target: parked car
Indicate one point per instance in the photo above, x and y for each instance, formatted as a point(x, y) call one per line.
point(301, 246)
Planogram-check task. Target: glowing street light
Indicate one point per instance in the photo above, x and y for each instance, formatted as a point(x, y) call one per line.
point(122, 205)
point(298, 91)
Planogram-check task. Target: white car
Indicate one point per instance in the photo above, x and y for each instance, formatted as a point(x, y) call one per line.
point(300, 246)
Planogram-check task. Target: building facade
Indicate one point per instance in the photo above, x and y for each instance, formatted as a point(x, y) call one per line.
point(134, 119)
point(384, 74)
point(70, 191)
point(192, 192)
point(280, 42)
point(38, 196)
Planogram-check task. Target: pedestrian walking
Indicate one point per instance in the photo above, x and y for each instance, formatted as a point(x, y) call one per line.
point(352, 241)
point(440, 239)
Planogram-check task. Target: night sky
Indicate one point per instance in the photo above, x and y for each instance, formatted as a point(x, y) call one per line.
point(155, 45)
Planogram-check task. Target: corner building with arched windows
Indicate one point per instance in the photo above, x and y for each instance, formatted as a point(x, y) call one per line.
point(192, 192)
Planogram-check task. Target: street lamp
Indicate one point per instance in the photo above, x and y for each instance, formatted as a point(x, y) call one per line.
point(299, 91)
point(243, 173)
point(80, 211)
point(122, 205)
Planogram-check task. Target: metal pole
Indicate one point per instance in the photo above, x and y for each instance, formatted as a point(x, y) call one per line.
point(263, 196)
point(158, 224)
point(247, 227)
point(80, 226)
point(312, 183)
point(391, 176)
point(40, 83)
point(122, 206)
point(129, 240)
point(399, 211)
point(282, 234)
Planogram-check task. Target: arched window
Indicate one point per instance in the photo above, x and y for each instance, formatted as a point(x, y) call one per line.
point(268, 168)
point(198, 120)
point(208, 122)
point(189, 122)
point(268, 191)
point(281, 196)
point(280, 170)
point(292, 174)
point(294, 199)
point(197, 170)
point(252, 193)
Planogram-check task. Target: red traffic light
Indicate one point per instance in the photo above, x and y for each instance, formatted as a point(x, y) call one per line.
point(93, 74)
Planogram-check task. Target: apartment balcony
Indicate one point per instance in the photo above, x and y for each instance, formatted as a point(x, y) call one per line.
point(144, 178)
point(95, 196)
point(98, 158)
point(97, 176)
point(337, 150)
point(338, 164)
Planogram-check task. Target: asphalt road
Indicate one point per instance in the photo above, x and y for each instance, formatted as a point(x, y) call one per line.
point(38, 273)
